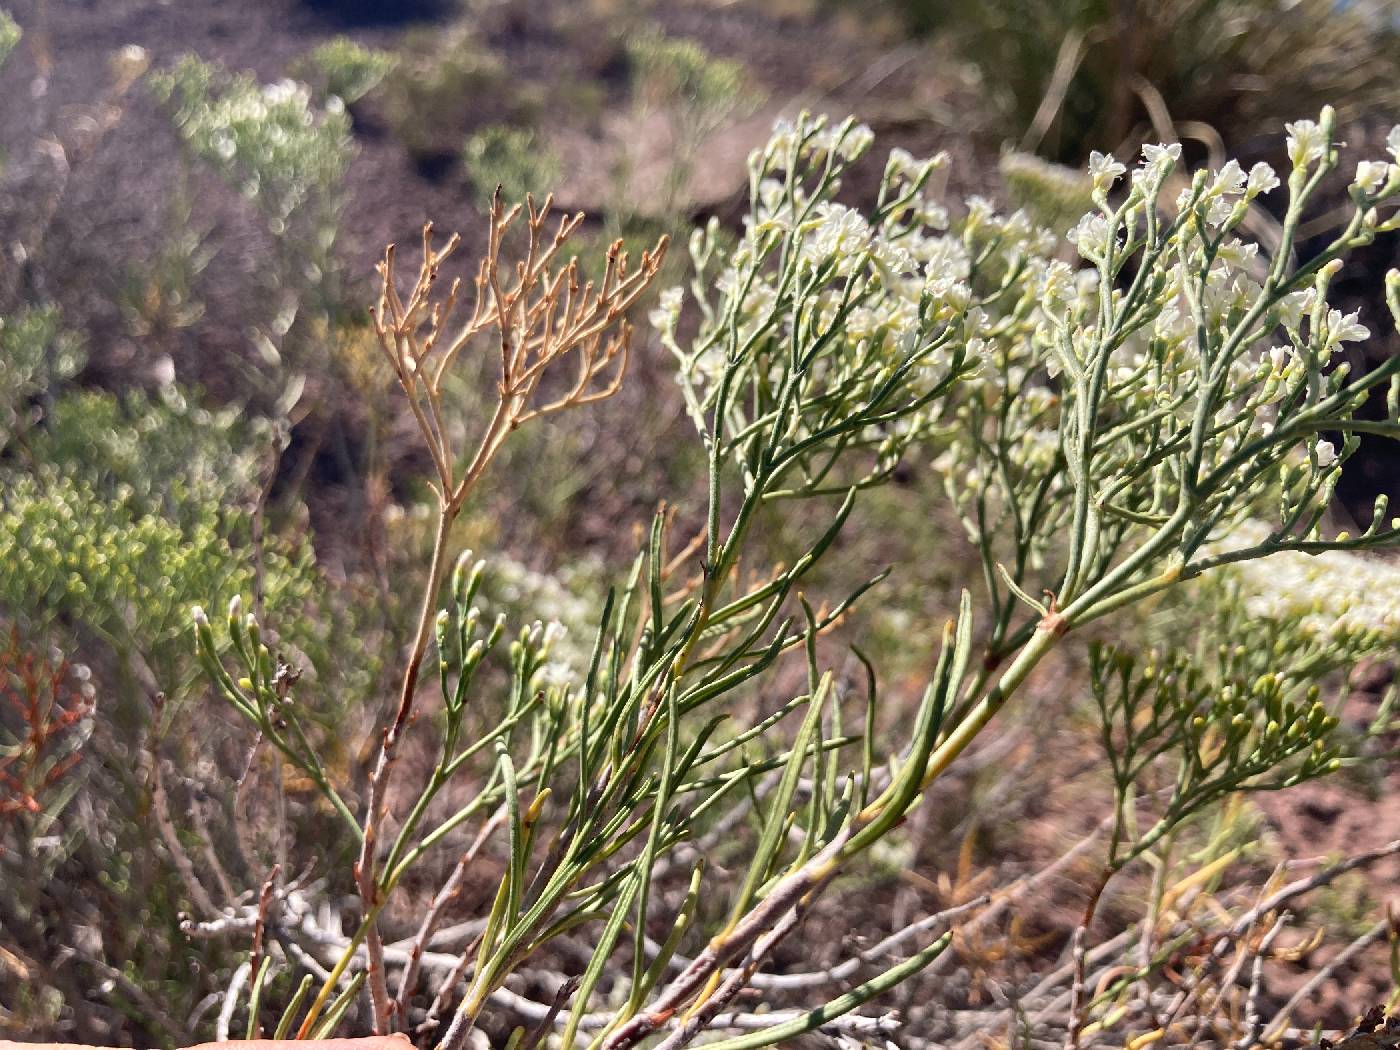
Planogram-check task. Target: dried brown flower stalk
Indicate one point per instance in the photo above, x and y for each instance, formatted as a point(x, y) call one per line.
point(537, 313)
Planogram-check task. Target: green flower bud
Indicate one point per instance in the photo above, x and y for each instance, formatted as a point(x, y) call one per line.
point(459, 576)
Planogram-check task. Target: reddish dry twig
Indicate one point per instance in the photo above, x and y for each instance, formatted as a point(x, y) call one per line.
point(255, 956)
point(433, 915)
point(40, 709)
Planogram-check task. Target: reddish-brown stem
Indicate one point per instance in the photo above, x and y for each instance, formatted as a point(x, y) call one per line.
point(1081, 937)
point(366, 874)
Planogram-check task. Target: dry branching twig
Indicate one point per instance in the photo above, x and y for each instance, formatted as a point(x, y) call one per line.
point(537, 313)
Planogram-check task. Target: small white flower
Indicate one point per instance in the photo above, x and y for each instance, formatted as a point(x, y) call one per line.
point(1345, 328)
point(848, 146)
point(1217, 211)
point(980, 211)
point(902, 162)
point(927, 213)
point(856, 141)
point(224, 145)
point(554, 632)
point(783, 137)
point(1236, 254)
point(1090, 236)
point(1230, 179)
point(1370, 175)
point(555, 675)
point(1326, 454)
point(1261, 180)
point(668, 310)
point(948, 292)
point(945, 257)
point(839, 234)
point(1161, 156)
point(1055, 280)
point(1306, 142)
point(1294, 305)
point(890, 258)
point(1167, 323)
point(1104, 169)
point(770, 194)
point(284, 90)
point(1017, 225)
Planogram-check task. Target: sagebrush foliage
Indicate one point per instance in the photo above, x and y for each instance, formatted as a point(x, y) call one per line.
point(270, 141)
point(345, 69)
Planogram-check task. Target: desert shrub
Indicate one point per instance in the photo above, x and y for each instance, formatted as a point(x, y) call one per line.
point(1133, 439)
point(9, 35)
point(35, 355)
point(47, 708)
point(696, 93)
point(268, 141)
point(126, 573)
point(115, 504)
point(680, 75)
point(344, 68)
point(164, 452)
point(1240, 66)
point(442, 84)
point(116, 511)
point(160, 298)
point(515, 159)
point(287, 155)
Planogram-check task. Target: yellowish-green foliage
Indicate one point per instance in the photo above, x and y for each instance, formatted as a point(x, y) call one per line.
point(117, 511)
point(344, 68)
point(9, 35)
point(516, 159)
point(128, 574)
point(270, 142)
point(679, 73)
point(440, 80)
point(164, 452)
point(133, 508)
point(1053, 196)
point(34, 355)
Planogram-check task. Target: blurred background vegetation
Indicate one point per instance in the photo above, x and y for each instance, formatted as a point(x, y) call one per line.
point(192, 198)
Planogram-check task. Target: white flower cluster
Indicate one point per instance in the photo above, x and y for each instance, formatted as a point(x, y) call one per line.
point(564, 605)
point(1338, 596)
point(1172, 303)
point(874, 277)
point(838, 305)
point(813, 142)
point(271, 141)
